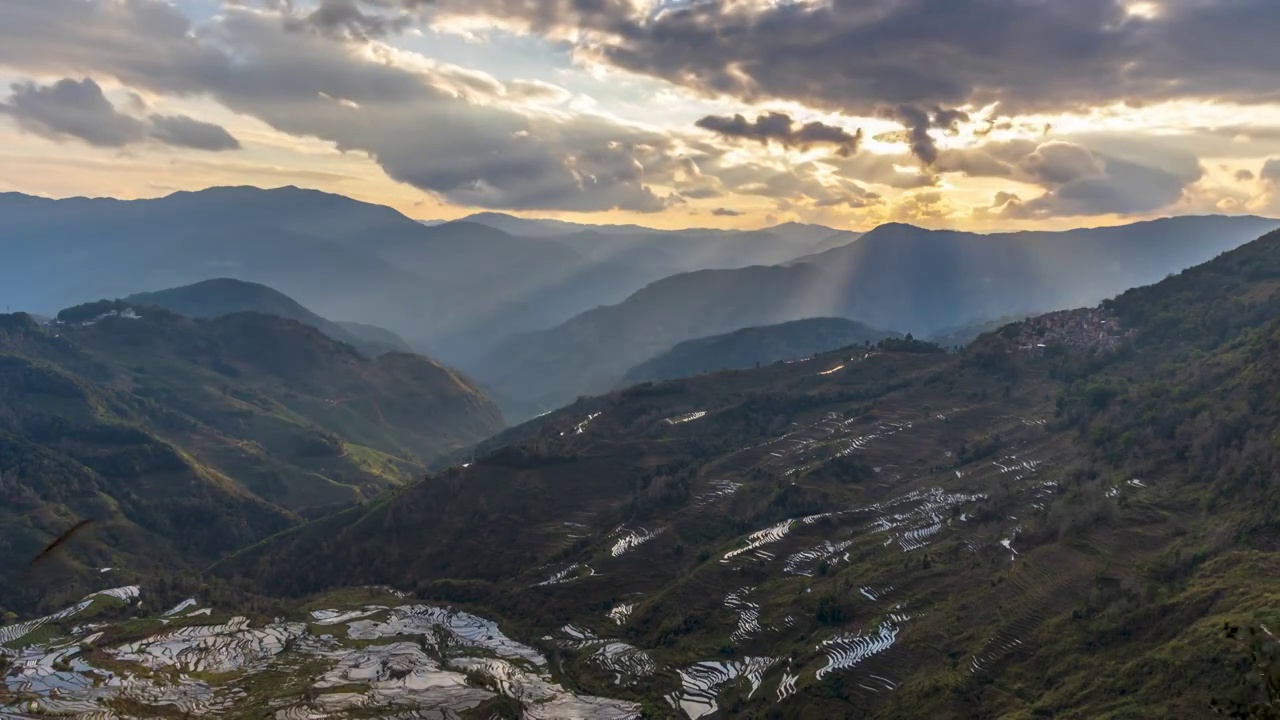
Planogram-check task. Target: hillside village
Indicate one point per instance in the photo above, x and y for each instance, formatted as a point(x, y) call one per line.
point(1082, 329)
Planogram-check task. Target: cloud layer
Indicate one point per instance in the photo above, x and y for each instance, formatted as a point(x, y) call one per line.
point(864, 55)
point(780, 128)
point(947, 90)
point(438, 128)
point(78, 109)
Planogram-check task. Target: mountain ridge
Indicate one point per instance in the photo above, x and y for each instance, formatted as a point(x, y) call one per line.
point(893, 532)
point(226, 296)
point(741, 349)
point(897, 277)
point(346, 259)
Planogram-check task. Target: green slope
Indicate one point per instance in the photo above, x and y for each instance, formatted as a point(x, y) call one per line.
point(185, 439)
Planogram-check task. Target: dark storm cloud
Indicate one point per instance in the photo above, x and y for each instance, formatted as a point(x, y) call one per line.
point(949, 120)
point(544, 16)
point(456, 133)
point(780, 128)
point(861, 55)
point(78, 109)
point(376, 18)
point(1090, 175)
point(1060, 163)
point(352, 18)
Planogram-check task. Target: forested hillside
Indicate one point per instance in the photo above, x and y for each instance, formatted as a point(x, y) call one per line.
point(185, 439)
point(1056, 522)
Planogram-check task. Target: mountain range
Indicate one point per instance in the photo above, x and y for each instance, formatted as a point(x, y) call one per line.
point(453, 289)
point(565, 309)
point(896, 277)
point(1072, 517)
point(818, 237)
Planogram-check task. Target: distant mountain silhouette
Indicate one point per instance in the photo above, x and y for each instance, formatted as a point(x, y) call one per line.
point(816, 237)
point(455, 288)
point(225, 296)
point(819, 237)
point(753, 346)
point(545, 227)
point(897, 277)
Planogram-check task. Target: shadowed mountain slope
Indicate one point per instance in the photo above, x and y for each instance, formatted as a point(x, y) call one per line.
point(896, 277)
point(753, 347)
point(1056, 522)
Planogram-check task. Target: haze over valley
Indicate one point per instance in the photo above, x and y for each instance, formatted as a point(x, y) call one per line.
point(540, 319)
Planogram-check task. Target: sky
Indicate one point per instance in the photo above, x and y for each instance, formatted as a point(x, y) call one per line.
point(969, 114)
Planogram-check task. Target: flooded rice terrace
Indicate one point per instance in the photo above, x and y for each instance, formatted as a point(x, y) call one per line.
point(373, 661)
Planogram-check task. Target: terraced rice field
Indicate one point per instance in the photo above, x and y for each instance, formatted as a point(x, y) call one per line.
point(701, 683)
point(737, 624)
point(415, 659)
point(629, 540)
point(625, 663)
point(846, 650)
point(915, 510)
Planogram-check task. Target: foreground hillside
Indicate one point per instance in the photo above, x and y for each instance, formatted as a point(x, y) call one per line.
point(185, 439)
point(1057, 522)
point(752, 347)
point(896, 277)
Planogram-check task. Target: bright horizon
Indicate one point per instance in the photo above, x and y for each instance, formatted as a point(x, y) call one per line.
point(1042, 115)
point(587, 220)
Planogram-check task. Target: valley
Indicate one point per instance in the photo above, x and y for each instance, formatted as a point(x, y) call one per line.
point(639, 360)
point(749, 525)
point(914, 530)
point(540, 312)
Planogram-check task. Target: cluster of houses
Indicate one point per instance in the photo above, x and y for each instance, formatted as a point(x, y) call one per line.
point(1088, 328)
